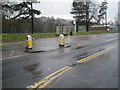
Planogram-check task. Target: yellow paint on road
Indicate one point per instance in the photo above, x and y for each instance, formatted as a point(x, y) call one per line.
point(38, 83)
point(12, 43)
point(95, 55)
point(63, 70)
point(45, 84)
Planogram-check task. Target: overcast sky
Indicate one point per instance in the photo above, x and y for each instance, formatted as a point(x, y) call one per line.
point(62, 8)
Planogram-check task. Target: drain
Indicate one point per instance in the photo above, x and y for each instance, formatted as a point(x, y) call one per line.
point(79, 47)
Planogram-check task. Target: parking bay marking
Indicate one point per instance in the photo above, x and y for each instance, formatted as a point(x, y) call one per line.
point(45, 81)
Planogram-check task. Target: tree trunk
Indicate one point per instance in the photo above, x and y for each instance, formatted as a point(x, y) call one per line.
point(87, 16)
point(87, 26)
point(77, 26)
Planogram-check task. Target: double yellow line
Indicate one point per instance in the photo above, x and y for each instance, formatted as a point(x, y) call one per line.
point(95, 55)
point(45, 81)
point(50, 80)
point(46, 78)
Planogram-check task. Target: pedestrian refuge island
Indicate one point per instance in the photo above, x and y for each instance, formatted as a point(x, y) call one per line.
point(35, 47)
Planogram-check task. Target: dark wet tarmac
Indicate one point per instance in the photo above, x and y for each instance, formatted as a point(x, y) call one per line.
point(29, 68)
point(100, 72)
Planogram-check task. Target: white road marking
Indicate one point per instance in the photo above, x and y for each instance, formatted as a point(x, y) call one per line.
point(12, 53)
point(14, 57)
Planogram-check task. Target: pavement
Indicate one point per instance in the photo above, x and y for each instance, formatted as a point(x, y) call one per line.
point(58, 67)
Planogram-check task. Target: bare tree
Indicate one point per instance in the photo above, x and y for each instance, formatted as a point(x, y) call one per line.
point(85, 13)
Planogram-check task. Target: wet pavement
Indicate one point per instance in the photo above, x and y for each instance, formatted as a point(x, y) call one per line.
point(101, 72)
point(22, 69)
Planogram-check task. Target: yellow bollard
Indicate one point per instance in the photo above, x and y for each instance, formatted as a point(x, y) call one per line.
point(61, 40)
point(29, 42)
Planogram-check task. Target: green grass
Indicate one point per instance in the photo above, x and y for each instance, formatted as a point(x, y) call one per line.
point(8, 37)
point(15, 37)
point(21, 36)
point(96, 32)
point(43, 35)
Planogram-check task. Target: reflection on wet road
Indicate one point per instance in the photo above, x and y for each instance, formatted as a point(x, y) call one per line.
point(44, 82)
point(30, 68)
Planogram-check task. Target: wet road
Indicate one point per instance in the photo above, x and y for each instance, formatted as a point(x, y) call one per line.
point(21, 69)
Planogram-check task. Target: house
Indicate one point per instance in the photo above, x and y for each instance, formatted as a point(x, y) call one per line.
point(99, 28)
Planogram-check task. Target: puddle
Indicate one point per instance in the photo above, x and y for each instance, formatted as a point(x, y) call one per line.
point(37, 51)
point(84, 55)
point(61, 50)
point(79, 47)
point(81, 56)
point(73, 65)
point(101, 50)
point(33, 69)
point(37, 76)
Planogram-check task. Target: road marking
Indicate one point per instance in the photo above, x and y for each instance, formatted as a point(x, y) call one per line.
point(95, 55)
point(14, 57)
point(58, 80)
point(41, 81)
point(12, 43)
point(45, 84)
point(111, 39)
point(45, 81)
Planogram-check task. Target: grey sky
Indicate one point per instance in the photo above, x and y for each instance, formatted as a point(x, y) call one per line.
point(62, 8)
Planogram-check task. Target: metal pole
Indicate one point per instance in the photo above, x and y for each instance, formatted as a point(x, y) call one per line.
point(106, 19)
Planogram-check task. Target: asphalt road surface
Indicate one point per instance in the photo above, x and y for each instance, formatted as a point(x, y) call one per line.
point(90, 62)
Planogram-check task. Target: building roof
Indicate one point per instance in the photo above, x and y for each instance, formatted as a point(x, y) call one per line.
point(100, 26)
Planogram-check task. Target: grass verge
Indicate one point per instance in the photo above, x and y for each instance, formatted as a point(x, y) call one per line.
point(21, 36)
point(96, 32)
